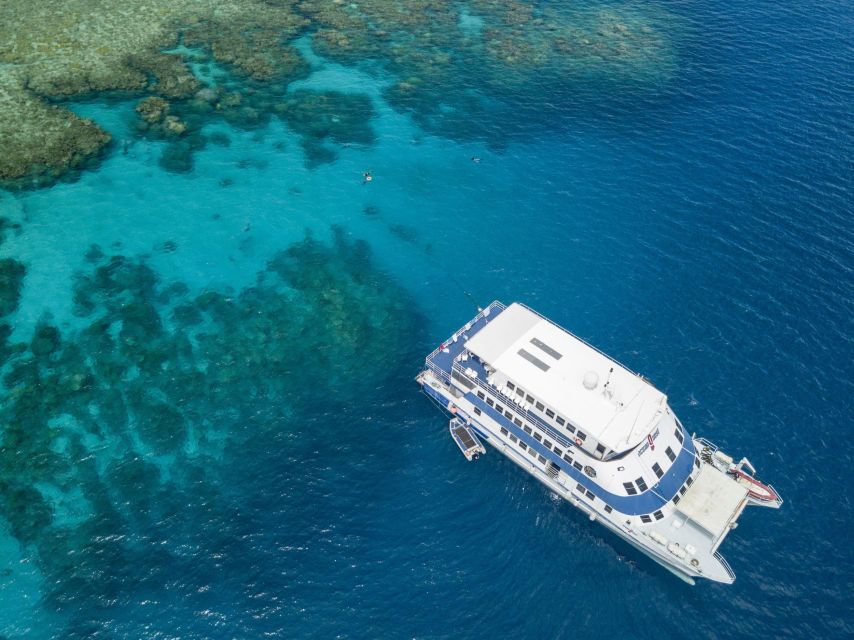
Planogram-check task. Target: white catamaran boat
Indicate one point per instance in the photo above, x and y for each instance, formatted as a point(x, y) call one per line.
point(595, 433)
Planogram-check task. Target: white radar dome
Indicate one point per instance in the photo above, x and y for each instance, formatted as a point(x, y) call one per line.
point(591, 380)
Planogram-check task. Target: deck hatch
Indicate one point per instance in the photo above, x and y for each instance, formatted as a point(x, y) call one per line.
point(546, 348)
point(534, 360)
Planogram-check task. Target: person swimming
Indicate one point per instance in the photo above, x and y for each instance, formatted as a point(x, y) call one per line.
point(475, 159)
point(366, 177)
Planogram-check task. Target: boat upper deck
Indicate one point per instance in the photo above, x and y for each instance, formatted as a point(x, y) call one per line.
point(594, 392)
point(441, 361)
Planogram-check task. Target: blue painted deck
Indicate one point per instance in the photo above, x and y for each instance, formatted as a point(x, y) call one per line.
point(445, 361)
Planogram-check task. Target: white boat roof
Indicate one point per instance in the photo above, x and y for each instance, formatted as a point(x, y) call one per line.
point(713, 500)
point(551, 364)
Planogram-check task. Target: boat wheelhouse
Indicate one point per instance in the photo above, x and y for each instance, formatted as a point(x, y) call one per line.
point(595, 433)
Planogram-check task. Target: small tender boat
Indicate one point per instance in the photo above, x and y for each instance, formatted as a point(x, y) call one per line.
point(466, 440)
point(757, 492)
point(755, 489)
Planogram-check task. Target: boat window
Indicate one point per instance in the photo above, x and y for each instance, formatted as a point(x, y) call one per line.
point(657, 468)
point(670, 454)
point(630, 488)
point(540, 406)
point(676, 499)
point(560, 421)
point(590, 495)
point(548, 444)
point(608, 508)
point(532, 453)
point(538, 437)
point(523, 446)
point(541, 459)
point(550, 413)
point(658, 515)
point(679, 435)
point(490, 402)
point(510, 385)
point(519, 392)
point(600, 448)
point(641, 484)
point(696, 463)
point(477, 411)
point(571, 428)
point(481, 395)
point(504, 431)
point(517, 422)
point(581, 436)
point(513, 438)
point(558, 451)
point(567, 457)
point(683, 489)
point(527, 429)
point(508, 414)
point(577, 465)
point(689, 481)
point(580, 487)
point(645, 518)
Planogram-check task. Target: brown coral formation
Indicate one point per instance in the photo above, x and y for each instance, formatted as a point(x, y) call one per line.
point(454, 58)
point(450, 61)
point(40, 141)
point(93, 46)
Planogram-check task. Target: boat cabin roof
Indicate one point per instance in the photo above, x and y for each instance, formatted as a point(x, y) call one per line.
point(597, 394)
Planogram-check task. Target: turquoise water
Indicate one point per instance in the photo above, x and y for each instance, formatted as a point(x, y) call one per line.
point(267, 468)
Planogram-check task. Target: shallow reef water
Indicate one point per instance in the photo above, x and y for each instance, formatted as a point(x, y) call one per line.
point(114, 434)
point(191, 59)
point(210, 320)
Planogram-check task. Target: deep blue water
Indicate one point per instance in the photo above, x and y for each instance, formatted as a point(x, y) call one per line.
point(701, 233)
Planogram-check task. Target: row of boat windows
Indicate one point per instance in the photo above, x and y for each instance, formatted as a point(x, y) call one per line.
point(551, 415)
point(516, 420)
point(523, 446)
point(537, 436)
point(641, 484)
point(629, 486)
point(591, 496)
point(657, 515)
point(685, 486)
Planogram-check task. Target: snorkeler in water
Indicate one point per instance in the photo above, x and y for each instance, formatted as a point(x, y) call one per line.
point(367, 177)
point(475, 159)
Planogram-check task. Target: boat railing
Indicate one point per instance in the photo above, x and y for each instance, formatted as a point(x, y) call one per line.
point(438, 371)
point(495, 304)
point(725, 565)
point(706, 443)
point(779, 500)
point(582, 340)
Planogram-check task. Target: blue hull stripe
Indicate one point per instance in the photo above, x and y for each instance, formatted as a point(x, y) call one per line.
point(643, 503)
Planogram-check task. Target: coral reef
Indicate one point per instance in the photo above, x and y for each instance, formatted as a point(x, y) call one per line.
point(452, 59)
point(318, 116)
point(41, 141)
point(11, 277)
point(98, 46)
point(117, 434)
point(455, 64)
